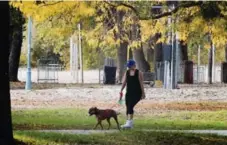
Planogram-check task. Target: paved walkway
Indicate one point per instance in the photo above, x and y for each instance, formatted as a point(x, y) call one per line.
point(87, 132)
point(81, 131)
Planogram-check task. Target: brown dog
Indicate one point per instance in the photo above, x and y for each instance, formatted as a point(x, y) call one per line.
point(102, 115)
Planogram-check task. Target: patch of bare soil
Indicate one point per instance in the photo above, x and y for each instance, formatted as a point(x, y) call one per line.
point(213, 98)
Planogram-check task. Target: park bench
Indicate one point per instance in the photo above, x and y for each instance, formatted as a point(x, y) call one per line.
point(149, 78)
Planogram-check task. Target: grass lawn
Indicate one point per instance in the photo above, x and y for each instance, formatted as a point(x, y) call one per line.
point(122, 138)
point(79, 119)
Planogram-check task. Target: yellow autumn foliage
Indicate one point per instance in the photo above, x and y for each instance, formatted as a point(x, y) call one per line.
point(64, 16)
point(50, 9)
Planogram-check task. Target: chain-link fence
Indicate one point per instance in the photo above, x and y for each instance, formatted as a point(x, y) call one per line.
point(200, 59)
point(50, 71)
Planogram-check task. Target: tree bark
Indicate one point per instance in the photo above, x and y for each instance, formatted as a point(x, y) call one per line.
point(138, 53)
point(14, 57)
point(226, 53)
point(130, 54)
point(148, 52)
point(122, 49)
point(158, 52)
point(6, 135)
point(122, 59)
point(150, 55)
point(16, 38)
point(141, 62)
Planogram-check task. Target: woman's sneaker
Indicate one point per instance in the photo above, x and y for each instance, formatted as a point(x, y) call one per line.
point(128, 124)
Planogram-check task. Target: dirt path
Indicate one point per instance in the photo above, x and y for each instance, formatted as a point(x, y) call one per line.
point(213, 98)
point(204, 98)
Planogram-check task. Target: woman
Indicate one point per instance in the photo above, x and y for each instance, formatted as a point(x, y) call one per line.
point(133, 78)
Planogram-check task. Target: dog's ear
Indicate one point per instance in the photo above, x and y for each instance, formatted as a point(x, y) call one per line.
point(95, 108)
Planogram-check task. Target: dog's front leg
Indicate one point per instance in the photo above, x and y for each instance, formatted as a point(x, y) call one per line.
point(96, 126)
point(100, 123)
point(108, 120)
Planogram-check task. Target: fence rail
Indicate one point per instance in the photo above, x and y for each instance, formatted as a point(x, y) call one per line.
point(200, 74)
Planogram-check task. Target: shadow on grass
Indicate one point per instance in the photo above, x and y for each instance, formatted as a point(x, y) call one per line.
point(18, 142)
point(123, 138)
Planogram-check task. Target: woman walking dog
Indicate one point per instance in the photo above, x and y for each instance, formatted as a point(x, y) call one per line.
point(133, 78)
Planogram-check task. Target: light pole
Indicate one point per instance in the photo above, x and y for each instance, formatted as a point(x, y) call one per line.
point(81, 53)
point(172, 66)
point(198, 65)
point(173, 55)
point(172, 41)
point(213, 63)
point(28, 85)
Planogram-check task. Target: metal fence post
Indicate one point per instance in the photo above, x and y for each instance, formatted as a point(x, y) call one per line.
point(28, 85)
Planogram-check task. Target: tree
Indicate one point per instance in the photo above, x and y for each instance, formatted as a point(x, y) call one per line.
point(196, 19)
point(104, 28)
point(122, 48)
point(59, 17)
point(137, 46)
point(6, 135)
point(226, 53)
point(16, 38)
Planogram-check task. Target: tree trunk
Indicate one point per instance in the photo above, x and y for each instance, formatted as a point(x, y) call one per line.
point(130, 54)
point(158, 52)
point(226, 53)
point(148, 52)
point(153, 46)
point(138, 53)
point(150, 55)
point(123, 47)
point(141, 62)
point(16, 38)
point(6, 135)
point(14, 57)
point(150, 58)
point(122, 59)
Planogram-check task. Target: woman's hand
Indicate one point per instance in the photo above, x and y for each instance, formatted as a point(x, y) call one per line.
point(143, 96)
point(141, 85)
point(121, 95)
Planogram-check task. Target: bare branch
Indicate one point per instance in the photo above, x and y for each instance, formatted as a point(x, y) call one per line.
point(109, 3)
point(175, 10)
point(49, 4)
point(183, 5)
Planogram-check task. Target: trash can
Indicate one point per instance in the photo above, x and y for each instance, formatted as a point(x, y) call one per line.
point(109, 75)
point(188, 72)
point(224, 72)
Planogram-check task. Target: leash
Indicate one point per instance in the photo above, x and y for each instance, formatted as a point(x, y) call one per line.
point(118, 104)
point(113, 106)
